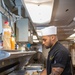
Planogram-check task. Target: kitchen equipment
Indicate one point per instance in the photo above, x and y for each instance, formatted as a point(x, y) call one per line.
point(34, 69)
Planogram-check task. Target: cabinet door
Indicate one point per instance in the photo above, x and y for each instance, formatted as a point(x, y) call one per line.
point(22, 30)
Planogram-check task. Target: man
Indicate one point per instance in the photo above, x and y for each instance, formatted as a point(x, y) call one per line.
point(59, 60)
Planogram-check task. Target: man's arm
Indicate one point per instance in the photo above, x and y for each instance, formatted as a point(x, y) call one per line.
point(44, 72)
point(56, 71)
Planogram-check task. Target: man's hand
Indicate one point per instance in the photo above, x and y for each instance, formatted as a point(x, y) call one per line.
point(44, 72)
point(56, 71)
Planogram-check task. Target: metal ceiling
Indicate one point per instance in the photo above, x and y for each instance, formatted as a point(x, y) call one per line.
point(62, 16)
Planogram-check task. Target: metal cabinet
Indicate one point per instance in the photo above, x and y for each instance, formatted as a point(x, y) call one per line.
point(22, 30)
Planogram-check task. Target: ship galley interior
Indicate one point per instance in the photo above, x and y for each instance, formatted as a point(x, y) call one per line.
point(37, 37)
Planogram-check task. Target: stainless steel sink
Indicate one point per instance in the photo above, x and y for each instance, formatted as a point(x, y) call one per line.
point(4, 54)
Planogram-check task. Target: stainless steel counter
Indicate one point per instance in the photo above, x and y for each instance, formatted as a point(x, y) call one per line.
point(15, 60)
point(9, 54)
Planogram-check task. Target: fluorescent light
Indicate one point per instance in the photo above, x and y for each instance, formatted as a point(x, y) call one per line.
point(74, 19)
point(73, 29)
point(70, 38)
point(36, 41)
point(39, 13)
point(73, 35)
point(34, 37)
point(39, 32)
point(28, 33)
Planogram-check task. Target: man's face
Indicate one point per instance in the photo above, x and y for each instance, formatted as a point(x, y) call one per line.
point(47, 41)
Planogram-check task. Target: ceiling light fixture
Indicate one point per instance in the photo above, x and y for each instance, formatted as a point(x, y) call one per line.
point(71, 36)
point(36, 41)
point(74, 19)
point(73, 29)
point(39, 13)
point(34, 37)
point(39, 32)
point(37, 1)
